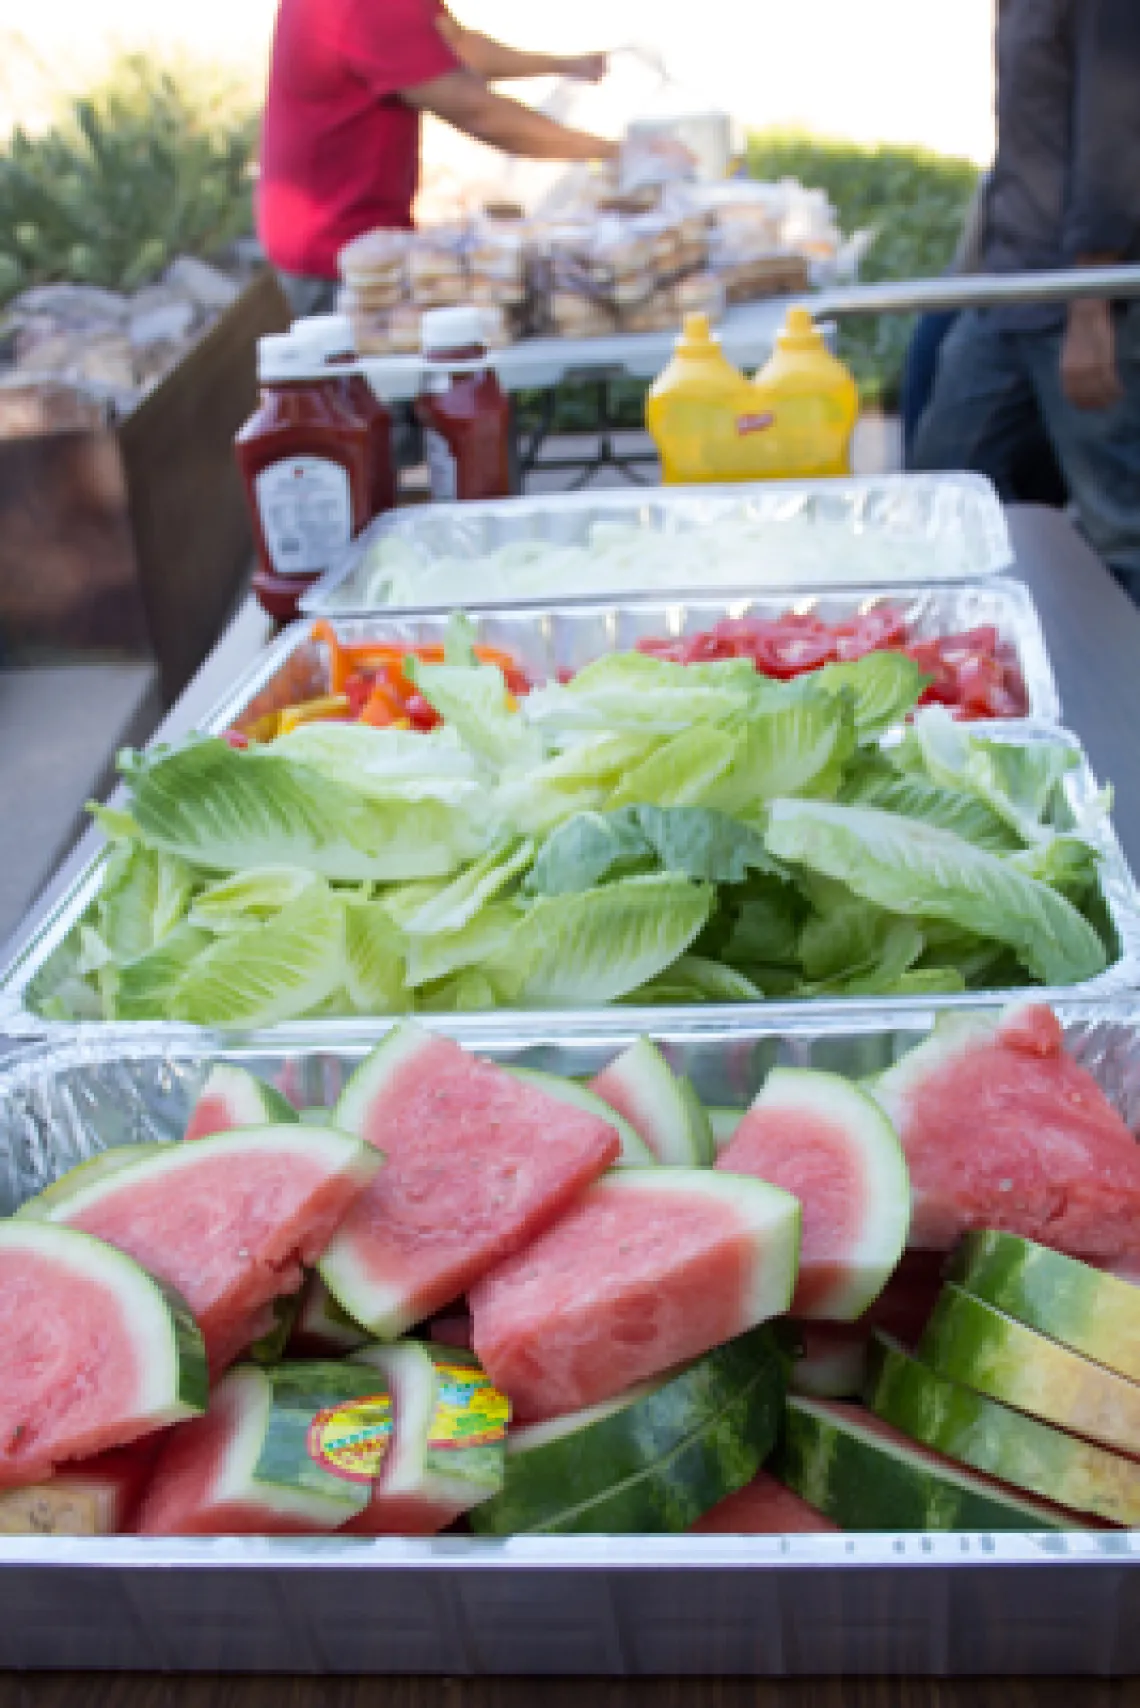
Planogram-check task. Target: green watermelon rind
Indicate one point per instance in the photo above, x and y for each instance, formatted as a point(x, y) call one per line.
point(863, 1482)
point(723, 1124)
point(44, 1205)
point(635, 1153)
point(170, 1351)
point(320, 1316)
point(870, 1262)
point(1092, 1313)
point(980, 1347)
point(457, 1477)
point(623, 1461)
point(253, 1102)
point(993, 1438)
point(671, 1122)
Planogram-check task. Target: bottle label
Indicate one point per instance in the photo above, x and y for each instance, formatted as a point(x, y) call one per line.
point(754, 423)
point(443, 473)
point(305, 505)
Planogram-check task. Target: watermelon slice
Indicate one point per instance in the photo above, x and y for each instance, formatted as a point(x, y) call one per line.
point(280, 1452)
point(723, 1124)
point(832, 1360)
point(94, 1352)
point(653, 1460)
point(634, 1153)
point(1058, 1164)
point(663, 1109)
point(1094, 1314)
point(764, 1507)
point(96, 1497)
point(233, 1098)
point(864, 1475)
point(974, 1344)
point(650, 1268)
point(42, 1207)
point(1004, 1443)
point(451, 1328)
point(903, 1307)
point(320, 1328)
point(479, 1162)
point(228, 1220)
point(449, 1441)
point(826, 1142)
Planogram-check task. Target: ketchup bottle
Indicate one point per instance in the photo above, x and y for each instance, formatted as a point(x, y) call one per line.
point(463, 412)
point(306, 456)
point(327, 338)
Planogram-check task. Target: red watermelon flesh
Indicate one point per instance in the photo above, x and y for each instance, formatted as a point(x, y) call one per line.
point(451, 1328)
point(651, 1268)
point(76, 1366)
point(764, 1507)
point(904, 1306)
point(229, 1221)
point(478, 1163)
point(816, 1167)
point(209, 1115)
point(1002, 1129)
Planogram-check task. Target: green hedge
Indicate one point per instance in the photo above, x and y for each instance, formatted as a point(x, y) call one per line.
point(153, 161)
point(915, 200)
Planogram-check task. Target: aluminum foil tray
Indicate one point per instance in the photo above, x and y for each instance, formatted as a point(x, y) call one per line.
point(887, 528)
point(1120, 896)
point(568, 635)
point(1056, 1603)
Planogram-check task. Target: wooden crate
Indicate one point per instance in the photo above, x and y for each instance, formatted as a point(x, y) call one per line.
point(134, 541)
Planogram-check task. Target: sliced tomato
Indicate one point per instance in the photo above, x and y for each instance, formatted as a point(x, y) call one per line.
point(420, 713)
point(234, 738)
point(873, 631)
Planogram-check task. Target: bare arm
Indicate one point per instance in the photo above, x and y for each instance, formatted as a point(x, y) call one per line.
point(494, 61)
point(463, 100)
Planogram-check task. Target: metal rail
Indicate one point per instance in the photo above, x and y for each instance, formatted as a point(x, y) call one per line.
point(975, 290)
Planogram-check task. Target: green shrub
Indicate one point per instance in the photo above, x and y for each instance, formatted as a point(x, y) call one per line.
point(915, 200)
point(153, 162)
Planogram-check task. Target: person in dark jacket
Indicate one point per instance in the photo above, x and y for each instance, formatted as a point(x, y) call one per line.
point(1064, 192)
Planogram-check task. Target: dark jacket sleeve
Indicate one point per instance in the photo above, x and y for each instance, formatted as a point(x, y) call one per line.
point(1102, 215)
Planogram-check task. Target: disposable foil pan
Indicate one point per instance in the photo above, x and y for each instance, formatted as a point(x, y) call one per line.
point(1119, 894)
point(566, 636)
point(885, 528)
point(1053, 1603)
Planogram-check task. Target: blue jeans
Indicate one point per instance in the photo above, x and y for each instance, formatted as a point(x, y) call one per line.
point(993, 391)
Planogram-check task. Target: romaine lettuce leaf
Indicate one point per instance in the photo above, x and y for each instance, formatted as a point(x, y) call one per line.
point(689, 840)
point(474, 702)
point(915, 869)
point(226, 811)
point(859, 940)
point(682, 772)
point(145, 893)
point(486, 934)
point(278, 970)
point(913, 796)
point(458, 902)
point(143, 987)
point(797, 748)
point(370, 760)
point(599, 945)
point(884, 687)
point(249, 897)
point(1019, 781)
point(632, 691)
point(693, 979)
point(373, 960)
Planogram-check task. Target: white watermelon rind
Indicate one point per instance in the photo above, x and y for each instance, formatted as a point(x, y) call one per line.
point(954, 1034)
point(323, 1322)
point(834, 1373)
point(168, 1346)
point(723, 1124)
point(635, 1153)
point(376, 1072)
point(662, 1109)
point(252, 1101)
point(869, 1264)
point(458, 1478)
point(42, 1207)
point(339, 1151)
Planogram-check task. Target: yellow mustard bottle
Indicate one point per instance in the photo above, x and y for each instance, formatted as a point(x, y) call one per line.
point(814, 401)
point(704, 415)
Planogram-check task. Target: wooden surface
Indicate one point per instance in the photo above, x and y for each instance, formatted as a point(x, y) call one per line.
point(62, 1690)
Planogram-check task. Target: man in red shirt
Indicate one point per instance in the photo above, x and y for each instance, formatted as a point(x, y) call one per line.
point(340, 147)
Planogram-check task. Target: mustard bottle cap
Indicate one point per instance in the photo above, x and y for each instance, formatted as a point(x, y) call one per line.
point(696, 336)
point(799, 332)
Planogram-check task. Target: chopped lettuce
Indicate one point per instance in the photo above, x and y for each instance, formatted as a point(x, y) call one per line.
point(234, 903)
point(912, 868)
point(473, 700)
point(687, 840)
point(273, 971)
point(373, 959)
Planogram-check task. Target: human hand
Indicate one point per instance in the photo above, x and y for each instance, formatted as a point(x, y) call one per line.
point(587, 67)
point(1089, 377)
